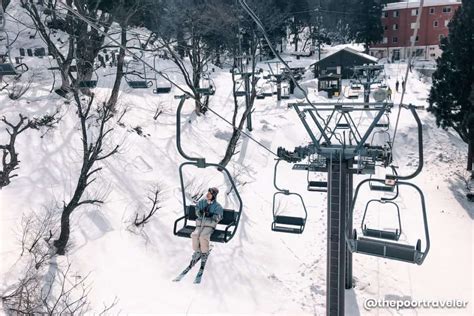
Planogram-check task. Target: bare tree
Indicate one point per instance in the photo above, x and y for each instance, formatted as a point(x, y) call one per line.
point(188, 33)
point(92, 152)
point(239, 122)
point(155, 202)
point(55, 292)
point(10, 160)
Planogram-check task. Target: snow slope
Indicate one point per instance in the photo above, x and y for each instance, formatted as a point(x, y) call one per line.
point(259, 271)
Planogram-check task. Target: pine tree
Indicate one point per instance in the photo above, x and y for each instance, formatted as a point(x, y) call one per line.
point(451, 94)
point(366, 25)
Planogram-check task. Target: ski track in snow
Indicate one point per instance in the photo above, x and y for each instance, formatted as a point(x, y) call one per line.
point(259, 272)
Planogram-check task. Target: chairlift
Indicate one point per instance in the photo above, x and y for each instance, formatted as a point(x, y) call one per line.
point(355, 90)
point(207, 87)
point(389, 185)
point(260, 95)
point(377, 245)
point(267, 89)
point(92, 83)
point(285, 91)
point(227, 227)
point(389, 234)
point(315, 185)
point(161, 87)
point(240, 91)
point(7, 67)
point(140, 80)
point(285, 223)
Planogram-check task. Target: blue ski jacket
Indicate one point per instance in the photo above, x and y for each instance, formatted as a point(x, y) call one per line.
point(215, 213)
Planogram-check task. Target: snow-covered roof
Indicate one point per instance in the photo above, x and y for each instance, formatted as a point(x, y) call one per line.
point(416, 4)
point(353, 51)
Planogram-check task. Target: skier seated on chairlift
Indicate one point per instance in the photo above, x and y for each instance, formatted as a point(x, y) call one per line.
point(209, 212)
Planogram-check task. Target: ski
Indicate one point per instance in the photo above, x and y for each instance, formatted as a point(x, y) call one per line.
point(198, 277)
point(185, 271)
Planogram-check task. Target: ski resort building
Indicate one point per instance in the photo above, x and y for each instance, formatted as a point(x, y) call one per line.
point(399, 20)
point(342, 63)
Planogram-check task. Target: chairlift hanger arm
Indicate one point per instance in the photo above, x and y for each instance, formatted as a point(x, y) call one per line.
point(413, 108)
point(178, 133)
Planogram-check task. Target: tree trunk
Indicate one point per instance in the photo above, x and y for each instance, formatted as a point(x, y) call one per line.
point(296, 39)
point(230, 151)
point(470, 155)
point(61, 242)
point(119, 75)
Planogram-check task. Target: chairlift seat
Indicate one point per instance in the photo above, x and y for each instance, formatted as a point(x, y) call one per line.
point(318, 186)
point(229, 219)
point(389, 250)
point(285, 96)
point(206, 91)
point(382, 234)
point(382, 188)
point(343, 126)
point(268, 94)
point(162, 90)
point(309, 167)
point(240, 93)
point(381, 125)
point(139, 84)
point(260, 96)
point(88, 84)
point(7, 70)
point(294, 225)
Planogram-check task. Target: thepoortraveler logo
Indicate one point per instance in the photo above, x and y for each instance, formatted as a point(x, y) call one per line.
point(372, 303)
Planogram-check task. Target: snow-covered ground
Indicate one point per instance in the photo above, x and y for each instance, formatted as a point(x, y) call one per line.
point(259, 271)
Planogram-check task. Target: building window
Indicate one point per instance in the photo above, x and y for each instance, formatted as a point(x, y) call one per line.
point(441, 36)
point(435, 23)
point(385, 27)
point(395, 39)
point(385, 14)
point(416, 40)
point(446, 9)
point(414, 12)
point(395, 14)
point(413, 25)
point(446, 22)
point(395, 27)
point(432, 10)
point(385, 40)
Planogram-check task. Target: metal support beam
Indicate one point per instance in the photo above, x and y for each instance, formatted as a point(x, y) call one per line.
point(336, 244)
point(349, 186)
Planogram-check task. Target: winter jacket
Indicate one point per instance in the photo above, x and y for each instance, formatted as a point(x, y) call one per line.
point(215, 213)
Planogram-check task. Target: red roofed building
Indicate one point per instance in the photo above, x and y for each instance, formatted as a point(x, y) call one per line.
point(399, 20)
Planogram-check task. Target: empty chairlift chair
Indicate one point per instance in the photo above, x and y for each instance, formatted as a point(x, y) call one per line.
point(136, 79)
point(388, 234)
point(207, 87)
point(286, 223)
point(92, 83)
point(379, 246)
point(285, 91)
point(240, 89)
point(162, 86)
